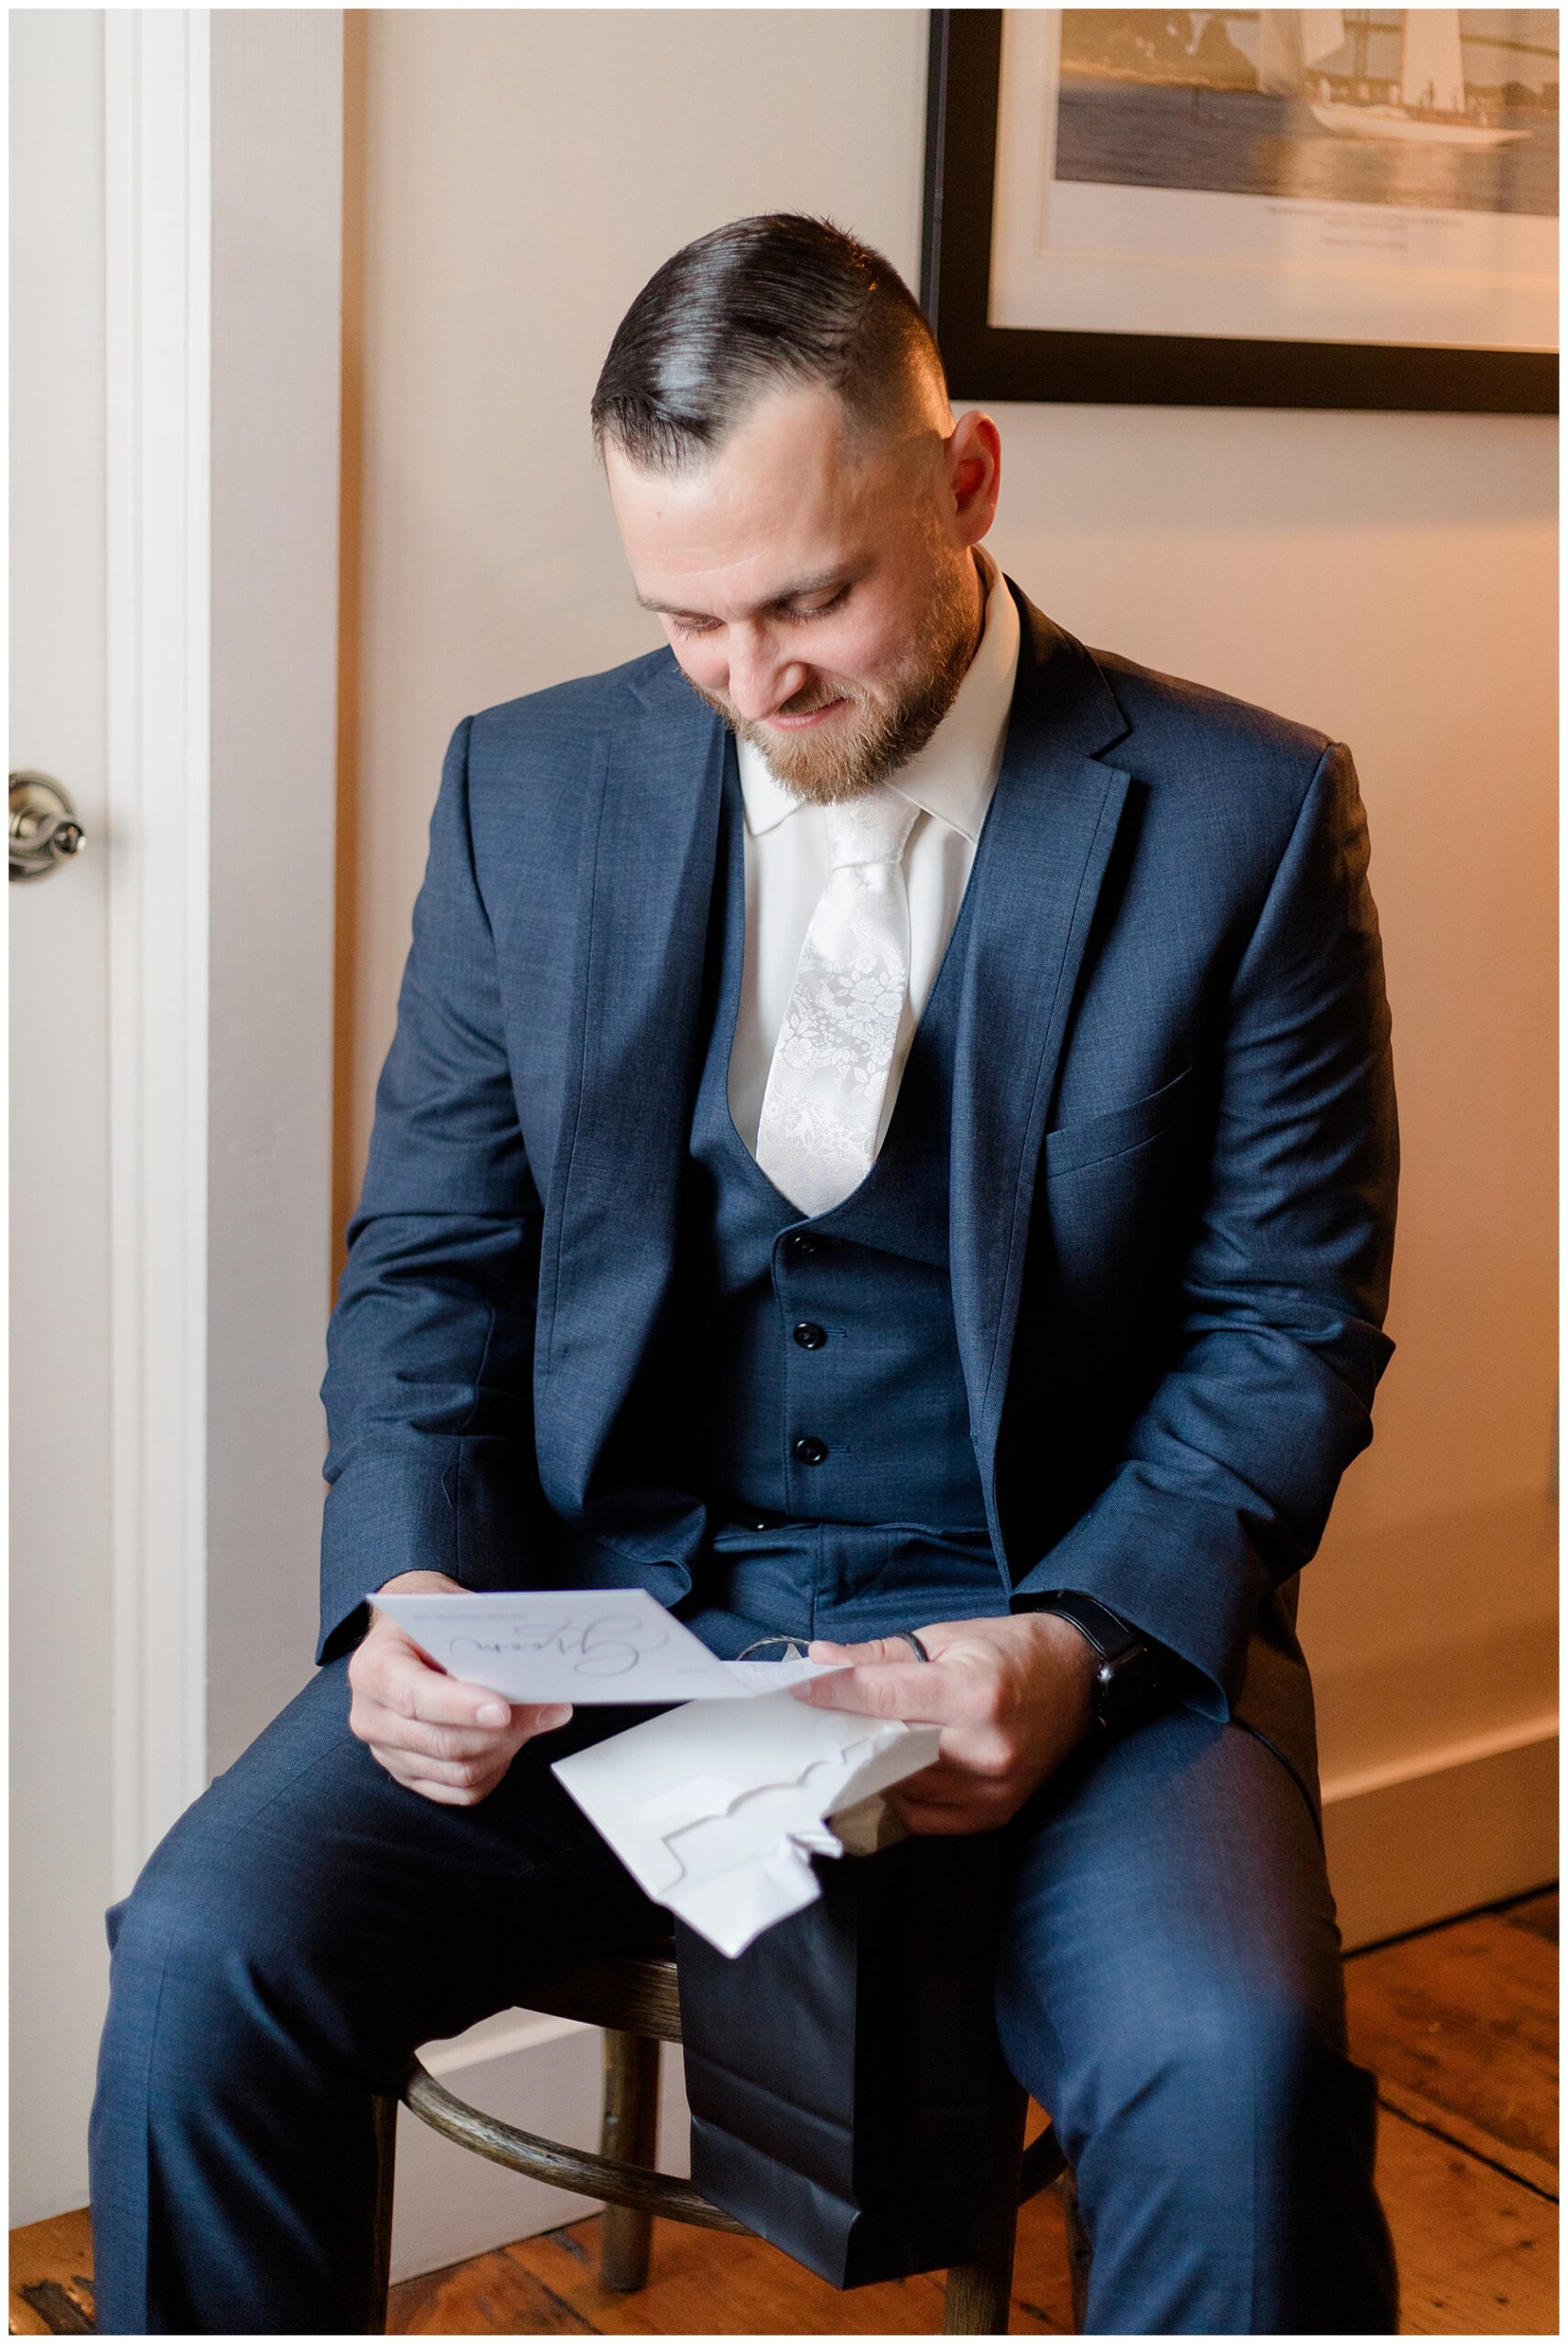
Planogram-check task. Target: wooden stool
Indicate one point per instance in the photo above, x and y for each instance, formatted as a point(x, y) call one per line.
point(636, 2000)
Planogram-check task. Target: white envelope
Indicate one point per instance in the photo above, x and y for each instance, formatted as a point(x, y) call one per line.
point(616, 1644)
point(717, 1808)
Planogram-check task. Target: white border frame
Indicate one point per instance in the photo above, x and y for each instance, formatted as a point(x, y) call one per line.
point(1100, 258)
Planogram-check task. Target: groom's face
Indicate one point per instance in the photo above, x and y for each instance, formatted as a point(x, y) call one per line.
point(819, 590)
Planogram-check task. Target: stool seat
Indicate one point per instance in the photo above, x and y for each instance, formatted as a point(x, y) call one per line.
point(635, 1999)
point(638, 1992)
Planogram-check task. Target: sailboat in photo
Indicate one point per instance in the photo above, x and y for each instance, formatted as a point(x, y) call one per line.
point(1431, 110)
point(1290, 41)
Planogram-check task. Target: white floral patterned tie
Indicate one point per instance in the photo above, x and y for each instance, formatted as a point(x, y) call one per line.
point(817, 1135)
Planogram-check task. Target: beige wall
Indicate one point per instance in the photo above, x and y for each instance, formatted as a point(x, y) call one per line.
point(1389, 578)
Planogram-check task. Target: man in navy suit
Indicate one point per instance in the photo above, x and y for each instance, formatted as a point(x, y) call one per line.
point(889, 1140)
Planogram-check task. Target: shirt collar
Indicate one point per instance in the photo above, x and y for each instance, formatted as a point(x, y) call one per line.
point(952, 778)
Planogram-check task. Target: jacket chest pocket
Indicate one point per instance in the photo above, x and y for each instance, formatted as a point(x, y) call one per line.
point(1094, 1139)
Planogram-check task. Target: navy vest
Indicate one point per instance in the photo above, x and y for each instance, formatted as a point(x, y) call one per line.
point(834, 1390)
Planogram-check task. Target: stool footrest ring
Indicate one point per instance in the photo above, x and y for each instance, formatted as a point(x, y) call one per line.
point(576, 2169)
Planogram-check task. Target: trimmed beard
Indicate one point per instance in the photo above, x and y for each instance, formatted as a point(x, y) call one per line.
point(863, 755)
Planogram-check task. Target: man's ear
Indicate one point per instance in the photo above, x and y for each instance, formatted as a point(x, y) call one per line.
point(974, 475)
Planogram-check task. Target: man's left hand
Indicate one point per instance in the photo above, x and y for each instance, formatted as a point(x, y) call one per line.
point(1012, 1698)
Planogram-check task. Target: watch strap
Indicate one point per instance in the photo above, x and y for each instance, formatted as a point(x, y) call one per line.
point(1106, 1630)
point(1128, 1679)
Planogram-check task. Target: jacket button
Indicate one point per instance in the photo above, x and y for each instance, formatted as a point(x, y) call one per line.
point(810, 1336)
point(809, 1450)
point(800, 1245)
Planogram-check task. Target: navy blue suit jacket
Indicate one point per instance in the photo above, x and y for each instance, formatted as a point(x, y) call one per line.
point(1172, 1185)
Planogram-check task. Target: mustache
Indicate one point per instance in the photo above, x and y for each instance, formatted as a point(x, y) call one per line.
point(806, 703)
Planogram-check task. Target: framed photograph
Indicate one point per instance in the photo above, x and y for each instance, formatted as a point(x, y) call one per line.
point(1245, 207)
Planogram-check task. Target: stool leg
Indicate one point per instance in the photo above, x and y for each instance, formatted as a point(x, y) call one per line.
point(978, 2294)
point(629, 2132)
point(1078, 2252)
point(385, 2114)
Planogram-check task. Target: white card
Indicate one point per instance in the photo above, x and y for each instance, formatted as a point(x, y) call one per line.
point(579, 1644)
point(717, 1811)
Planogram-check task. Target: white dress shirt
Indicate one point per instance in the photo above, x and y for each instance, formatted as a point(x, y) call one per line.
point(787, 861)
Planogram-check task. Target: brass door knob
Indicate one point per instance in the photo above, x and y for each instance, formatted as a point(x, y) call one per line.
point(44, 831)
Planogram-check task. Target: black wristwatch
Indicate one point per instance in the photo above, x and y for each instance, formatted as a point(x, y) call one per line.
point(1127, 1681)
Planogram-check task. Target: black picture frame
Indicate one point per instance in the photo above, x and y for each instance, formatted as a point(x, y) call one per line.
point(986, 361)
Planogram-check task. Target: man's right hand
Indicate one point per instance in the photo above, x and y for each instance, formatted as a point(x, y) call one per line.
point(450, 1741)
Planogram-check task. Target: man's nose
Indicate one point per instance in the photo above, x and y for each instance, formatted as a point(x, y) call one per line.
point(760, 680)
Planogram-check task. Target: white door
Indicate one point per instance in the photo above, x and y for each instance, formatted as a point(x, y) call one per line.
point(176, 185)
point(60, 1600)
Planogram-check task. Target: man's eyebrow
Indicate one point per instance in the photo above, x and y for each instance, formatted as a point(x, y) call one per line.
point(774, 601)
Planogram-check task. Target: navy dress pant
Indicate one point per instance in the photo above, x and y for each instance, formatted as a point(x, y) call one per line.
point(1169, 1989)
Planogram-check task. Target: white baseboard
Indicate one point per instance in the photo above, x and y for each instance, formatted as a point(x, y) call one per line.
point(1415, 1842)
point(544, 2074)
point(1407, 1844)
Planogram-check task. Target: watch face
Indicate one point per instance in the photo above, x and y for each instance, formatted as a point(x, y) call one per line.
point(1124, 1687)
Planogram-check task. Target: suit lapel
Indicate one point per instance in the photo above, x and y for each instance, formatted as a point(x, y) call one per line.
point(612, 1217)
point(1038, 870)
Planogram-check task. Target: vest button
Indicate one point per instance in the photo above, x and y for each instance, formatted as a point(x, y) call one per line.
point(808, 1449)
point(810, 1336)
point(800, 1245)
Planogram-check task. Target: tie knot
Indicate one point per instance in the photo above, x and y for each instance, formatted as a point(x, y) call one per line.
point(869, 829)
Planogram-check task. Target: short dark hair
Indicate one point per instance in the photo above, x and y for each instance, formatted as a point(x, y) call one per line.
point(777, 299)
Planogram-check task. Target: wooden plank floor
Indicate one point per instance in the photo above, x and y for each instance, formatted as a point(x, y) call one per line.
point(1459, 2024)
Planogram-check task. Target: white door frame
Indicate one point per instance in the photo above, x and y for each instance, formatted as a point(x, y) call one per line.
point(157, 124)
point(224, 134)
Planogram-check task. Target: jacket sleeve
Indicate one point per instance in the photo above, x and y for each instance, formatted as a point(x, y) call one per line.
point(1225, 1478)
point(429, 1386)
